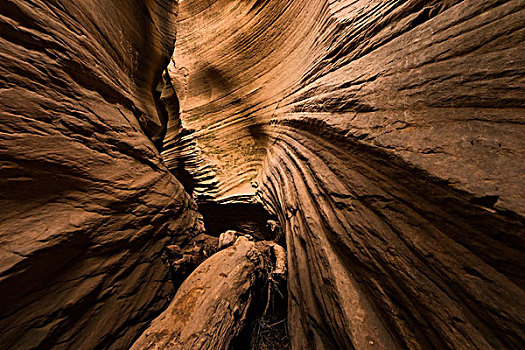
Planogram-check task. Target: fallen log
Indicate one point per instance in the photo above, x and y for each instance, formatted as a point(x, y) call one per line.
point(211, 307)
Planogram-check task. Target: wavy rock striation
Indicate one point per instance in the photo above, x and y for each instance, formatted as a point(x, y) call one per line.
point(386, 136)
point(382, 255)
point(87, 204)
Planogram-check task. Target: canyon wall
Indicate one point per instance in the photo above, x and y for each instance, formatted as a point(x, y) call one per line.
point(387, 137)
point(87, 204)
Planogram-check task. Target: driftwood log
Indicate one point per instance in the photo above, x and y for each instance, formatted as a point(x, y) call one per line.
point(211, 307)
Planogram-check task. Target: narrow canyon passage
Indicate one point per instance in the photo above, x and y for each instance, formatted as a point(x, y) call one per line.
point(227, 174)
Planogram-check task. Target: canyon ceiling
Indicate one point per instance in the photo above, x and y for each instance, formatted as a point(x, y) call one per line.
point(384, 137)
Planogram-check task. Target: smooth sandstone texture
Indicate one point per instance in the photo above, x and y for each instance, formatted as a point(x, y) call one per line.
point(87, 204)
point(387, 137)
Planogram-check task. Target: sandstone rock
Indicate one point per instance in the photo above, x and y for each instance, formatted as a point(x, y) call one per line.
point(279, 271)
point(378, 252)
point(86, 202)
point(227, 238)
point(386, 136)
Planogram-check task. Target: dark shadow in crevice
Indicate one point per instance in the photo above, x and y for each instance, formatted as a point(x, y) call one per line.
point(185, 178)
point(163, 115)
point(245, 218)
point(267, 320)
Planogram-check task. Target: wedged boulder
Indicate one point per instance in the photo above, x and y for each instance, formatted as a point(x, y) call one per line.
point(211, 307)
point(227, 238)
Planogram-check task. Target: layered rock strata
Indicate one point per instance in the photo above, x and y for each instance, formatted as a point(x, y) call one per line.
point(87, 204)
point(437, 83)
point(382, 255)
point(386, 136)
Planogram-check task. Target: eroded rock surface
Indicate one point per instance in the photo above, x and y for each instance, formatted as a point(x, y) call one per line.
point(438, 83)
point(87, 205)
point(387, 137)
point(382, 255)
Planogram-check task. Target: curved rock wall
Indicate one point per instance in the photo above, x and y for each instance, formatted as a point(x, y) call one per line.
point(437, 83)
point(87, 204)
point(382, 255)
point(386, 135)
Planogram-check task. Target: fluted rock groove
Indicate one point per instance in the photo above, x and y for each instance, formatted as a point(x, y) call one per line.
point(380, 142)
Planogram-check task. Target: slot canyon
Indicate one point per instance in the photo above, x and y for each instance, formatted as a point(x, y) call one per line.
point(258, 174)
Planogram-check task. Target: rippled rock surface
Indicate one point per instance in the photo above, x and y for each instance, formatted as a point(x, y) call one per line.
point(386, 136)
point(383, 138)
point(87, 204)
